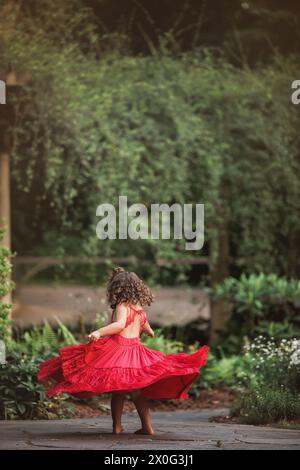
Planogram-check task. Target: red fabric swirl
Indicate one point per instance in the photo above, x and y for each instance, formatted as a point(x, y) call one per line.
point(116, 363)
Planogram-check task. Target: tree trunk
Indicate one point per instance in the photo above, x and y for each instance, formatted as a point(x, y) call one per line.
point(219, 270)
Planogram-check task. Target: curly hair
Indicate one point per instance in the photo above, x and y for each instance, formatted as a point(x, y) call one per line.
point(126, 287)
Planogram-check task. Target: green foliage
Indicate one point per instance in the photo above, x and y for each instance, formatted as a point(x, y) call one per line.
point(44, 340)
point(163, 344)
point(266, 405)
point(276, 363)
point(261, 305)
point(225, 371)
point(22, 396)
point(279, 330)
point(271, 391)
point(229, 372)
point(6, 286)
point(90, 129)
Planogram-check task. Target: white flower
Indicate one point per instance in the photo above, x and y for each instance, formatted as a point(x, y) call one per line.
point(295, 358)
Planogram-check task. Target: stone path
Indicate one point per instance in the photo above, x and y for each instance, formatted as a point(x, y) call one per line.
point(175, 431)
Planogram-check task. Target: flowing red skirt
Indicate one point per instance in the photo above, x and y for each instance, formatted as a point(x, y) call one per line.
point(116, 363)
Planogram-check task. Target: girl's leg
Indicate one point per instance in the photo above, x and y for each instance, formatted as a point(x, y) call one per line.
point(117, 402)
point(142, 408)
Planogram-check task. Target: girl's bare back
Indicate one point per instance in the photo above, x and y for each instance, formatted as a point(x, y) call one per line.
point(136, 322)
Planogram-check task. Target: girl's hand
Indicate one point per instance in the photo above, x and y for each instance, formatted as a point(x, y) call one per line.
point(150, 333)
point(94, 336)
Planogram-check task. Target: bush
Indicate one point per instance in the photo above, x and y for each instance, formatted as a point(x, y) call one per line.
point(44, 340)
point(6, 286)
point(273, 384)
point(227, 371)
point(264, 405)
point(262, 304)
point(157, 116)
point(275, 363)
point(163, 344)
point(22, 396)
point(222, 372)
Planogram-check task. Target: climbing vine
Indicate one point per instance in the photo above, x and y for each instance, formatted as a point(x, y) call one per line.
point(190, 127)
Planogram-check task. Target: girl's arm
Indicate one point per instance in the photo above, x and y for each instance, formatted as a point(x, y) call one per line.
point(148, 330)
point(113, 328)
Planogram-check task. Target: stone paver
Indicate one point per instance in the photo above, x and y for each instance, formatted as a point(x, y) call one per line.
point(174, 430)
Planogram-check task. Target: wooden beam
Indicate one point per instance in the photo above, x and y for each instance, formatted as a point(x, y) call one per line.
point(5, 206)
point(219, 271)
point(5, 198)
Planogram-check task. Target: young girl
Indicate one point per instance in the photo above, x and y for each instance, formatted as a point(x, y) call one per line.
point(115, 361)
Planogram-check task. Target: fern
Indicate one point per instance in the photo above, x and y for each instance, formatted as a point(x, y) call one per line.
point(66, 335)
point(49, 336)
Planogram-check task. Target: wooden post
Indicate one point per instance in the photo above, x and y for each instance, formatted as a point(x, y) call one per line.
point(219, 270)
point(5, 205)
point(9, 15)
point(5, 198)
point(5, 150)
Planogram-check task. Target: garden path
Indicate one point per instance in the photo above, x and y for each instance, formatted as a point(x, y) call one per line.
point(174, 431)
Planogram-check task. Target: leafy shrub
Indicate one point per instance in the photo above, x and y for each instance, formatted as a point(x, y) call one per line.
point(227, 371)
point(6, 286)
point(153, 115)
point(44, 340)
point(272, 389)
point(22, 396)
point(264, 404)
point(275, 363)
point(222, 372)
point(271, 329)
point(262, 304)
point(163, 344)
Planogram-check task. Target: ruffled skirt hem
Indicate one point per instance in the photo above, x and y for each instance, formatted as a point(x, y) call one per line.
point(116, 365)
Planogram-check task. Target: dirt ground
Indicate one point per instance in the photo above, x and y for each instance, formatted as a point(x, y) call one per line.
point(209, 399)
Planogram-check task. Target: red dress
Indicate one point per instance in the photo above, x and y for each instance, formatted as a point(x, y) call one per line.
point(117, 363)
